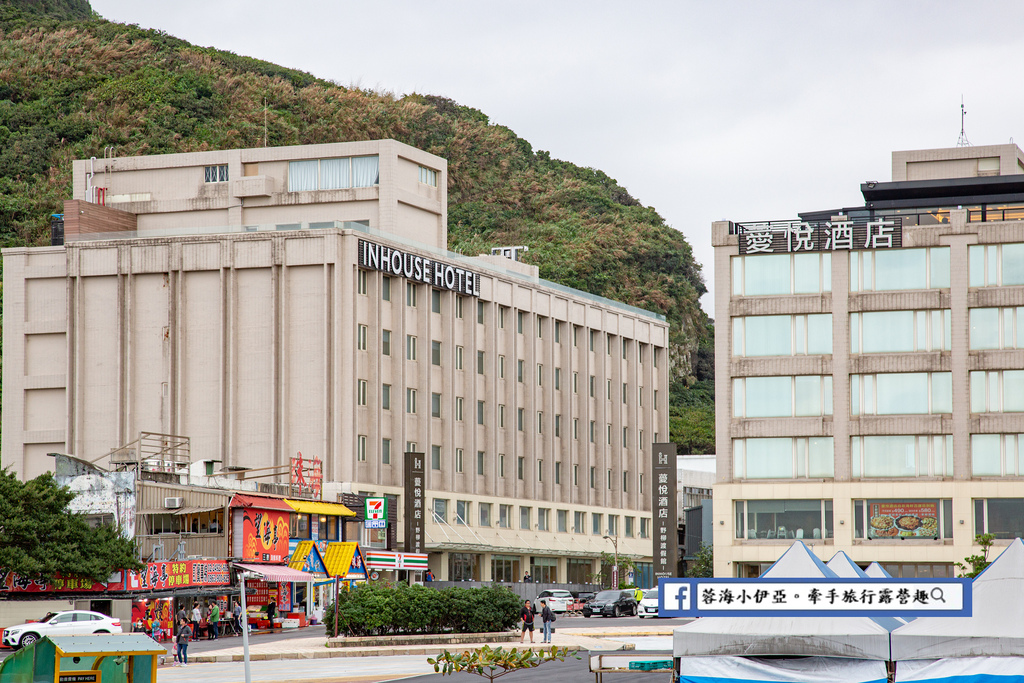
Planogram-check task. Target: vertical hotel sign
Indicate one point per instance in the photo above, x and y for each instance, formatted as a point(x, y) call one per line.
point(663, 510)
point(414, 502)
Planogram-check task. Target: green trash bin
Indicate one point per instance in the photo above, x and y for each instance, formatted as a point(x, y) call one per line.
point(126, 658)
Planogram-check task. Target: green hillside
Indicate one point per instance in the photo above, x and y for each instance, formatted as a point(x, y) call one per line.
point(72, 84)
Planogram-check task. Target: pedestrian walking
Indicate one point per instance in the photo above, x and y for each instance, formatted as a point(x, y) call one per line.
point(197, 616)
point(547, 618)
point(184, 635)
point(429, 576)
point(271, 613)
point(236, 612)
point(526, 614)
point(214, 621)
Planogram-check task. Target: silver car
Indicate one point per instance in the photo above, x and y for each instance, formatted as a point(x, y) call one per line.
point(558, 600)
point(72, 623)
point(648, 607)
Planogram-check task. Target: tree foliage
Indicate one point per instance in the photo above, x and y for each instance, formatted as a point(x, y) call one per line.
point(73, 84)
point(41, 537)
point(703, 567)
point(977, 562)
point(491, 663)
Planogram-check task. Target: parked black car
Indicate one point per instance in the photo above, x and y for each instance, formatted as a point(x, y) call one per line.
point(611, 604)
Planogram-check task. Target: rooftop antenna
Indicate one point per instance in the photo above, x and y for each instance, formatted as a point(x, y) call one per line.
point(963, 141)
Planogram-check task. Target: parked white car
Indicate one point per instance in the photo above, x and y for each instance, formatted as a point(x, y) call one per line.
point(558, 600)
point(72, 623)
point(649, 605)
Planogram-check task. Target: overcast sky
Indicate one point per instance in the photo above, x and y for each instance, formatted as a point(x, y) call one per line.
point(703, 110)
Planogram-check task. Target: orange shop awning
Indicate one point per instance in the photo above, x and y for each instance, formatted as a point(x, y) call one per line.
point(259, 502)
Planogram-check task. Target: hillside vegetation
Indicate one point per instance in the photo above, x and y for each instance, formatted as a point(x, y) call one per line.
point(72, 84)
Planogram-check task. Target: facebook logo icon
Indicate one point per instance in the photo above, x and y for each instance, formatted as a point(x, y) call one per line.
point(674, 596)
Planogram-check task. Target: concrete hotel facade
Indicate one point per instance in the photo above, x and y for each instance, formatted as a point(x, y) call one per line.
point(869, 398)
point(246, 299)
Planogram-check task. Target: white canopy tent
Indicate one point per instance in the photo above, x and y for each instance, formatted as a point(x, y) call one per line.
point(876, 571)
point(844, 567)
point(844, 637)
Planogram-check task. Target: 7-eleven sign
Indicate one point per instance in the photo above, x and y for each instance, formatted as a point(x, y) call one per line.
point(376, 509)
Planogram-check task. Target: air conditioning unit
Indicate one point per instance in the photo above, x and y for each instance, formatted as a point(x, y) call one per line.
point(173, 503)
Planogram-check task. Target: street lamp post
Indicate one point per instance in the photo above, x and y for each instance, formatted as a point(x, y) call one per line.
point(615, 567)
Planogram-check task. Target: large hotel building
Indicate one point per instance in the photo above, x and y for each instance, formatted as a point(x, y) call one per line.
point(270, 302)
point(870, 371)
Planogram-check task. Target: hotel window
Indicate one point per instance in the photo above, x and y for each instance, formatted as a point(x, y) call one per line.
point(804, 395)
point(435, 457)
point(901, 457)
point(608, 435)
point(770, 274)
point(593, 477)
point(623, 392)
point(997, 391)
point(505, 516)
point(520, 415)
point(899, 269)
point(520, 467)
point(361, 337)
point(440, 511)
point(575, 382)
point(540, 422)
point(1001, 517)
point(608, 390)
point(558, 332)
point(558, 472)
point(540, 328)
point(593, 386)
point(501, 317)
point(501, 464)
point(458, 307)
point(575, 428)
point(435, 405)
point(428, 176)
point(361, 448)
point(543, 519)
point(385, 451)
point(501, 415)
point(558, 425)
point(479, 362)
point(361, 392)
point(215, 174)
point(900, 331)
point(997, 455)
point(595, 523)
point(575, 475)
point(333, 174)
point(902, 393)
point(458, 357)
point(608, 479)
point(519, 322)
point(458, 459)
point(783, 519)
point(385, 288)
point(479, 462)
point(640, 484)
point(579, 522)
point(903, 518)
point(435, 353)
point(410, 294)
point(435, 300)
point(385, 342)
point(625, 481)
point(997, 328)
point(593, 336)
point(645, 527)
point(410, 401)
point(613, 525)
point(575, 335)
point(501, 367)
point(784, 458)
point(458, 408)
point(361, 282)
point(385, 396)
point(410, 347)
point(480, 312)
point(593, 432)
point(519, 370)
point(479, 412)
point(782, 335)
point(462, 512)
point(485, 513)
point(608, 344)
point(410, 447)
point(558, 378)
point(562, 521)
point(655, 399)
point(524, 517)
point(540, 375)
point(630, 522)
point(994, 265)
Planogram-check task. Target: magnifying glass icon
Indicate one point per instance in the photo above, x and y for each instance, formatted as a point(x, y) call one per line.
point(937, 594)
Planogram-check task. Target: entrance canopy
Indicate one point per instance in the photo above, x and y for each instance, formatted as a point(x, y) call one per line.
point(276, 572)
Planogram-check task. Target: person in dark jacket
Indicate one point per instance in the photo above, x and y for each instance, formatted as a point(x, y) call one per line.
point(547, 617)
point(527, 614)
point(184, 635)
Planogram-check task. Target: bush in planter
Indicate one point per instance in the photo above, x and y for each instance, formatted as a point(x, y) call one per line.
point(382, 609)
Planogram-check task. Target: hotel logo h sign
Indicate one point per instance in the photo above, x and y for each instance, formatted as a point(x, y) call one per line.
point(779, 237)
point(414, 490)
point(663, 510)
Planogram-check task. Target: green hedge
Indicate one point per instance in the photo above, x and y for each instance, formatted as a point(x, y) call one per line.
point(395, 609)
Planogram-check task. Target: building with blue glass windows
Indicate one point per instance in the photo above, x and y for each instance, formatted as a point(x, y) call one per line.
point(870, 370)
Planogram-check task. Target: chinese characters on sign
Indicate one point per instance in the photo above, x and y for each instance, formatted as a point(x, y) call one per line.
point(814, 597)
point(306, 477)
point(265, 535)
point(903, 519)
point(162, 575)
point(375, 513)
point(777, 237)
point(663, 510)
point(414, 485)
point(12, 583)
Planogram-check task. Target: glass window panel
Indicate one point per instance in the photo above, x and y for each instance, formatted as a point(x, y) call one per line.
point(901, 269)
point(737, 275)
point(769, 397)
point(942, 392)
point(992, 265)
point(986, 459)
point(854, 271)
point(768, 274)
point(768, 335)
point(784, 519)
point(335, 174)
point(889, 456)
point(769, 458)
point(1007, 328)
point(807, 272)
point(827, 393)
point(1005, 517)
point(939, 261)
point(1013, 391)
point(1012, 265)
point(903, 393)
point(738, 399)
point(887, 331)
point(365, 171)
point(819, 333)
point(808, 395)
point(820, 457)
point(976, 259)
point(739, 462)
point(737, 337)
point(854, 394)
point(1019, 339)
point(855, 332)
point(800, 334)
point(978, 392)
point(302, 175)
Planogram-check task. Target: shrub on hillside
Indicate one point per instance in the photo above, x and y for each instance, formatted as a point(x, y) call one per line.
point(397, 609)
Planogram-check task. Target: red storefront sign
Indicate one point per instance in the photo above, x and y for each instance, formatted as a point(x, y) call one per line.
point(163, 575)
point(265, 535)
point(12, 583)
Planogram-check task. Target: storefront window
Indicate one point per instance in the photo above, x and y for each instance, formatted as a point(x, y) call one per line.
point(1001, 517)
point(578, 571)
point(463, 567)
point(505, 568)
point(901, 518)
point(783, 519)
point(298, 526)
point(544, 569)
point(328, 527)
